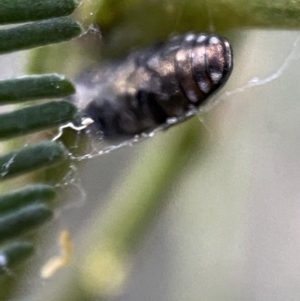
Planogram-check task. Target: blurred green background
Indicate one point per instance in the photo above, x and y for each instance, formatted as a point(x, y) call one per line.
point(208, 210)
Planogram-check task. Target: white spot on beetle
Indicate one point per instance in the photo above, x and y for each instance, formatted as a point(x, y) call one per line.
point(3, 260)
point(215, 76)
point(190, 37)
point(214, 40)
point(204, 86)
point(191, 95)
point(201, 39)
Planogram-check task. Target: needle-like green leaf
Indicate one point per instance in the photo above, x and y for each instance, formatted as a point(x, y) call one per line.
point(34, 118)
point(38, 34)
point(30, 158)
point(35, 193)
point(14, 253)
point(23, 220)
point(34, 87)
point(14, 11)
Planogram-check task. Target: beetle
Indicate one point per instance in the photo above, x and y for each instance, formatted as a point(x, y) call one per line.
point(154, 86)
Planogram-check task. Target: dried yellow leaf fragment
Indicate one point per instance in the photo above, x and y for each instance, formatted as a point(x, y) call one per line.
point(57, 262)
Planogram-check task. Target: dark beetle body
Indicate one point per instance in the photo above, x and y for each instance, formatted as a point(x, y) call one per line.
point(153, 85)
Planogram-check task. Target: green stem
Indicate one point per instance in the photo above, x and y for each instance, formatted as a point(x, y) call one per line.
point(218, 13)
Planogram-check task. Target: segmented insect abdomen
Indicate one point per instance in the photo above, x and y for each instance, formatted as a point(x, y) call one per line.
point(150, 86)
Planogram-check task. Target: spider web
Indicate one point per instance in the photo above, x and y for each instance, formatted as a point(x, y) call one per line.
point(97, 146)
point(235, 89)
point(262, 73)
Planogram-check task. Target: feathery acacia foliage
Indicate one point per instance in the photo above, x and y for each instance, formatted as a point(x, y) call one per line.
point(27, 208)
